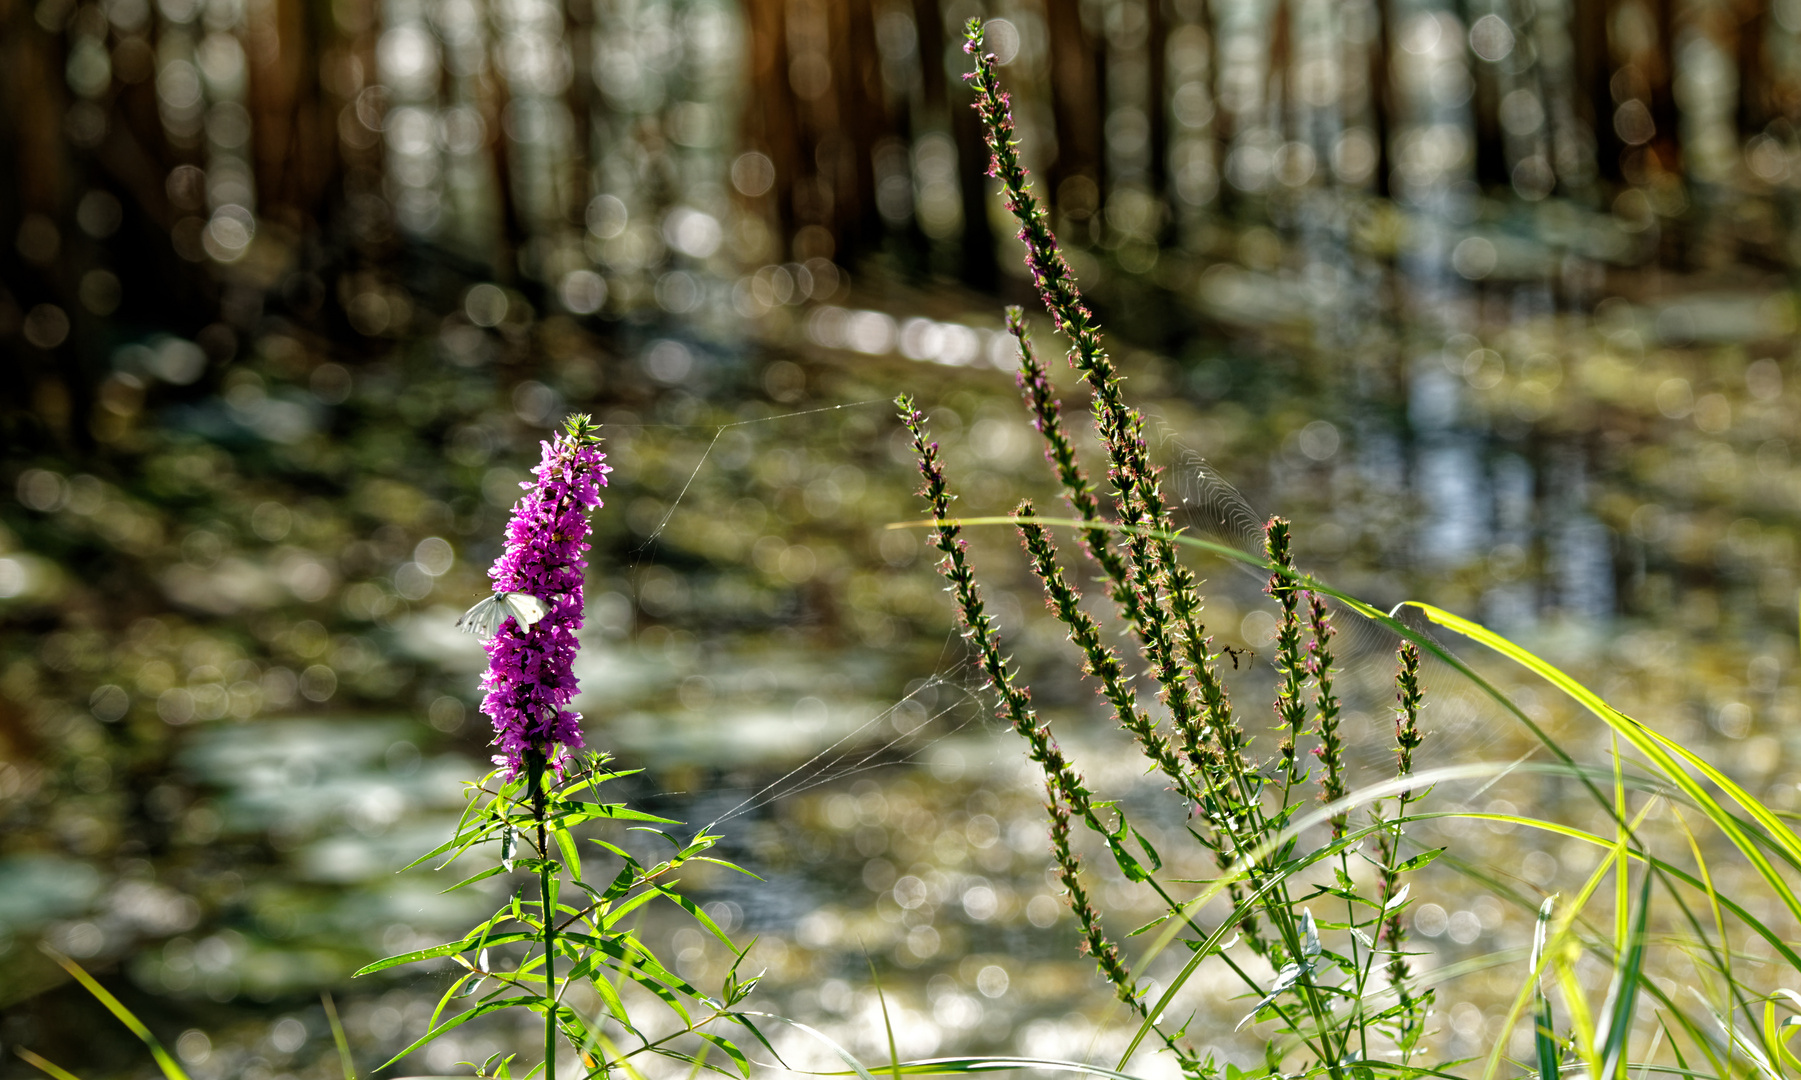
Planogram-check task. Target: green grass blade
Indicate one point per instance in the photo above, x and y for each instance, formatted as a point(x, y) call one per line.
point(1721, 902)
point(1622, 993)
point(1544, 1032)
point(45, 1065)
point(164, 1060)
point(1544, 1038)
point(1672, 760)
point(337, 1036)
point(893, 1049)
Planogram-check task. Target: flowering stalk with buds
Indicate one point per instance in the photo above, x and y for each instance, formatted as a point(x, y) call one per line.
point(539, 807)
point(1243, 810)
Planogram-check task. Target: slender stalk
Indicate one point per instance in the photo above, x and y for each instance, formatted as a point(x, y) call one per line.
point(535, 771)
point(1326, 707)
point(1068, 794)
point(1210, 740)
point(1291, 709)
point(1102, 663)
point(1394, 932)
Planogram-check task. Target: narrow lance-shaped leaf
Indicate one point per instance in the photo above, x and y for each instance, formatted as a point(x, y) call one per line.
point(164, 1060)
point(1544, 1032)
point(1615, 1026)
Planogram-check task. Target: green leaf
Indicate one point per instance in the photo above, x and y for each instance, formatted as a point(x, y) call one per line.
point(604, 988)
point(656, 986)
point(694, 909)
point(571, 857)
point(1149, 851)
point(731, 1051)
point(468, 944)
point(622, 884)
point(721, 862)
point(463, 1018)
point(610, 811)
point(596, 780)
point(636, 956)
point(1152, 925)
point(337, 1036)
point(483, 876)
point(1423, 859)
point(630, 860)
point(695, 847)
point(1123, 858)
point(433, 853)
point(620, 912)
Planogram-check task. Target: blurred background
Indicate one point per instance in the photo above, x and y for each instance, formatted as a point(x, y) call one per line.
point(1494, 298)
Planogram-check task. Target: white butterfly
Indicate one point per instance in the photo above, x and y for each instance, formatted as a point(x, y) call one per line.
point(485, 617)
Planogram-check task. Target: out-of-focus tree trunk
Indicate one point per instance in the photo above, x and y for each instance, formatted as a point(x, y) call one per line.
point(979, 268)
point(1280, 78)
point(513, 228)
point(940, 91)
point(294, 139)
point(1485, 114)
point(1075, 95)
point(1668, 141)
point(1753, 110)
point(858, 81)
point(1220, 127)
point(1381, 76)
point(34, 70)
point(1157, 105)
point(772, 118)
point(578, 31)
point(1594, 72)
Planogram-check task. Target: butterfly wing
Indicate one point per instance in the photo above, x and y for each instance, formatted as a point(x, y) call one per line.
point(483, 618)
point(526, 608)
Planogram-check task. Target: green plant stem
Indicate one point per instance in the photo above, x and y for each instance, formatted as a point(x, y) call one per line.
point(536, 773)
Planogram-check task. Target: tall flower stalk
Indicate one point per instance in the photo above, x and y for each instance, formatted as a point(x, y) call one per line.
point(1244, 811)
point(543, 787)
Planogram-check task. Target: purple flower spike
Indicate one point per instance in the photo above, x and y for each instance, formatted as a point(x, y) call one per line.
point(529, 680)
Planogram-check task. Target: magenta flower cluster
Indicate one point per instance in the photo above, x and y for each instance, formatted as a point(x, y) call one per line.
point(530, 680)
